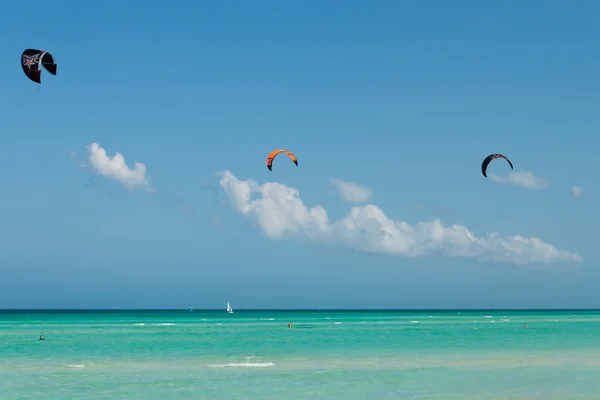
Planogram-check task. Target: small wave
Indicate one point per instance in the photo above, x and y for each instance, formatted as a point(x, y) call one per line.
point(76, 366)
point(164, 324)
point(244, 364)
point(415, 322)
point(487, 316)
point(218, 323)
point(140, 324)
point(505, 320)
point(267, 319)
point(337, 323)
point(327, 317)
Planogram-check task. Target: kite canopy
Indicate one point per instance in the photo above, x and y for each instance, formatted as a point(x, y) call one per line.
point(32, 61)
point(274, 153)
point(489, 159)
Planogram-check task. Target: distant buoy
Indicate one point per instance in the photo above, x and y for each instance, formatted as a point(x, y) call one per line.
point(290, 325)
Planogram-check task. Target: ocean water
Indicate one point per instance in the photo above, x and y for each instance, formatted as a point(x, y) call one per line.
point(325, 355)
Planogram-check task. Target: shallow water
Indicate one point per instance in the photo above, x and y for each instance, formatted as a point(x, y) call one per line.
point(326, 355)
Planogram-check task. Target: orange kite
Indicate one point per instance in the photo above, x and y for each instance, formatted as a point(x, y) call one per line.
point(271, 157)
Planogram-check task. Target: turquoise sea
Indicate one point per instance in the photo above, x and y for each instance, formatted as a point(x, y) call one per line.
point(325, 355)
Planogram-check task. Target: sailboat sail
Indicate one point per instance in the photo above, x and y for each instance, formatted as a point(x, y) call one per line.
point(229, 309)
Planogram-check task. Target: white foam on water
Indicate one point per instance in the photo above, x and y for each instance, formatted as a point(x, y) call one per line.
point(243, 364)
point(337, 323)
point(414, 322)
point(164, 324)
point(75, 366)
point(140, 324)
point(487, 316)
point(267, 319)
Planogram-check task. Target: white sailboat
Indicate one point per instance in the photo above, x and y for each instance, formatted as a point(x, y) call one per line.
point(229, 309)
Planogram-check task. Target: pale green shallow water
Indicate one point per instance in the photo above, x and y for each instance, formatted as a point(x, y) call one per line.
point(327, 355)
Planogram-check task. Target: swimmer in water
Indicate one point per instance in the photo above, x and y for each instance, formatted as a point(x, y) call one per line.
point(290, 325)
point(42, 337)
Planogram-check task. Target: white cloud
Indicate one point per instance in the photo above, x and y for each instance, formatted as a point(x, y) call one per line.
point(280, 213)
point(577, 191)
point(351, 192)
point(115, 168)
point(524, 179)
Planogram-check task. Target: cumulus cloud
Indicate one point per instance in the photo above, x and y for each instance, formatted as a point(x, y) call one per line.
point(280, 213)
point(524, 179)
point(351, 192)
point(115, 168)
point(577, 191)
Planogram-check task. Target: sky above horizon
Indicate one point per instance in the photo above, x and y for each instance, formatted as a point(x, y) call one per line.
point(136, 177)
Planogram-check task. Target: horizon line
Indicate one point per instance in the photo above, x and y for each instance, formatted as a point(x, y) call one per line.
point(298, 309)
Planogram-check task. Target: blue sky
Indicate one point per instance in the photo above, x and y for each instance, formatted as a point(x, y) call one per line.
point(403, 98)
